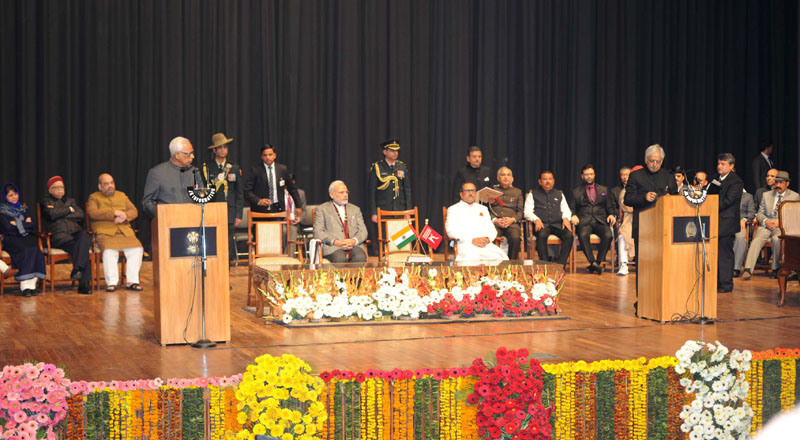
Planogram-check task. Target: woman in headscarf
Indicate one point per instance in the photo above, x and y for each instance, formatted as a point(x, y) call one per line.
point(18, 227)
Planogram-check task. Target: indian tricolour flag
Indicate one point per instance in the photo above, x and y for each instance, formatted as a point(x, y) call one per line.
point(403, 236)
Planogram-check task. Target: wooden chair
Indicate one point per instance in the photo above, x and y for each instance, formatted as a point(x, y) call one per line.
point(5, 279)
point(51, 254)
point(595, 240)
point(319, 259)
point(551, 240)
point(447, 241)
point(268, 242)
point(389, 222)
point(789, 222)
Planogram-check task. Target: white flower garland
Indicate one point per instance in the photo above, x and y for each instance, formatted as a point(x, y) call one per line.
point(719, 410)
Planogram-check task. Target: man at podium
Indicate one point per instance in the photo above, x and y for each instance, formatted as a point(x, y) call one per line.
point(167, 181)
point(645, 186)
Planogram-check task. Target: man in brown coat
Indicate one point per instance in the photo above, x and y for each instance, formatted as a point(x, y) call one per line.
point(110, 213)
point(506, 211)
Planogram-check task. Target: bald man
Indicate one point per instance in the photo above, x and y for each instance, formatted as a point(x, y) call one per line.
point(110, 215)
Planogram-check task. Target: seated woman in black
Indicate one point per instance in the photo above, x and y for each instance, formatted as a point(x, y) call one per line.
point(18, 226)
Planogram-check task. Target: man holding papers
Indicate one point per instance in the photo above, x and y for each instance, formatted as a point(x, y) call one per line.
point(471, 226)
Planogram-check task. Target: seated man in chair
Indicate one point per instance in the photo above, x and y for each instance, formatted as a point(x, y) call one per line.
point(64, 219)
point(471, 226)
point(111, 213)
point(340, 226)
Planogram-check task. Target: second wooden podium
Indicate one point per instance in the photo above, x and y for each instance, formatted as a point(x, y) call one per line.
point(670, 259)
point(177, 272)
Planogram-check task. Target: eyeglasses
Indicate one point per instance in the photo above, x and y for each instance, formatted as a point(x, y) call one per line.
point(654, 161)
point(191, 153)
point(468, 190)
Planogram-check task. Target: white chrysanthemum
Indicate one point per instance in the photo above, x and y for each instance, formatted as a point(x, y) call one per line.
point(286, 318)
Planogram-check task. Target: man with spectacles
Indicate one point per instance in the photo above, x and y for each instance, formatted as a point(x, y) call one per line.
point(340, 226)
point(167, 181)
point(645, 186)
point(470, 224)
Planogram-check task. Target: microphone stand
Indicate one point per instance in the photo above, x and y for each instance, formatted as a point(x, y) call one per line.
point(203, 342)
point(703, 319)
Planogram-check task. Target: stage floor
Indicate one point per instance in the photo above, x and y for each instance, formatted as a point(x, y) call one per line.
point(109, 336)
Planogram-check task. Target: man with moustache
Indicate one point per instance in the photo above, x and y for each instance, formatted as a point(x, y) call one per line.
point(473, 171)
point(226, 176)
point(549, 211)
point(388, 184)
point(729, 186)
point(265, 184)
point(469, 224)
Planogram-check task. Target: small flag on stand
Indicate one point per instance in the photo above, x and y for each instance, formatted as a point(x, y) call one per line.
point(431, 237)
point(403, 236)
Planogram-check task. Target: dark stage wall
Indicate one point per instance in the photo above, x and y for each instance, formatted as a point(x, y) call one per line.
point(102, 86)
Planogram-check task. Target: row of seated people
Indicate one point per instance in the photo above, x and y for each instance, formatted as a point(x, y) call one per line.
point(109, 213)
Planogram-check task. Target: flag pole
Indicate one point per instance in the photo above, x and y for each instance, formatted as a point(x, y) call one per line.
point(416, 234)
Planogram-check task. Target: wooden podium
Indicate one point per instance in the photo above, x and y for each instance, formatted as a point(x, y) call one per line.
point(670, 259)
point(177, 272)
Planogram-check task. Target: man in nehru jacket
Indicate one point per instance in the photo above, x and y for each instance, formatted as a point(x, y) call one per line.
point(549, 211)
point(507, 211)
point(64, 219)
point(226, 177)
point(469, 224)
point(167, 182)
point(388, 184)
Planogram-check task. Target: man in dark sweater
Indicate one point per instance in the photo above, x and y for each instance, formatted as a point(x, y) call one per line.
point(593, 212)
point(549, 211)
point(645, 186)
point(64, 219)
point(729, 186)
point(473, 171)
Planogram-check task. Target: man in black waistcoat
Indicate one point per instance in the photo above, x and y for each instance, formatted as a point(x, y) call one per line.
point(549, 211)
point(226, 177)
point(645, 186)
point(593, 212)
point(65, 220)
point(729, 187)
point(473, 172)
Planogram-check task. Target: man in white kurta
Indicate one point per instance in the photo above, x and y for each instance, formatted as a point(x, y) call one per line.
point(471, 226)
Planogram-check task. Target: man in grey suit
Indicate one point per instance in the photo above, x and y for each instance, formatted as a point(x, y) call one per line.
point(340, 226)
point(768, 229)
point(747, 212)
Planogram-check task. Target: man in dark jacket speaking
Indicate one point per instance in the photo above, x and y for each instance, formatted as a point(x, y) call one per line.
point(729, 186)
point(64, 219)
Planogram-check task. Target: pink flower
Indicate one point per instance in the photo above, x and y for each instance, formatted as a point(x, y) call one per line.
point(202, 382)
point(114, 385)
point(49, 369)
point(42, 419)
point(20, 416)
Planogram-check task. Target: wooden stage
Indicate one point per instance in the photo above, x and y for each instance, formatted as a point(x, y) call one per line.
point(109, 336)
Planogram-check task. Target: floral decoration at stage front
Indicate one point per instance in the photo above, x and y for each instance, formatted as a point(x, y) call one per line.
point(415, 292)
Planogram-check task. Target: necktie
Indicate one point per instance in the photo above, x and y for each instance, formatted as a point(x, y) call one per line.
point(269, 183)
point(590, 192)
point(778, 204)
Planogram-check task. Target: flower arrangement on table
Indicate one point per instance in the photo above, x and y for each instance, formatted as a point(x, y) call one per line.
point(278, 397)
point(33, 399)
point(717, 379)
point(509, 397)
point(371, 294)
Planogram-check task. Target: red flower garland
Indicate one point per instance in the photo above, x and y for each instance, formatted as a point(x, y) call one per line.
point(509, 396)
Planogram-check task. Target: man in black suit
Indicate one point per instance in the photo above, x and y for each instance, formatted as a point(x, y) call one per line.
point(473, 171)
point(729, 186)
point(592, 209)
point(265, 184)
point(645, 186)
point(760, 165)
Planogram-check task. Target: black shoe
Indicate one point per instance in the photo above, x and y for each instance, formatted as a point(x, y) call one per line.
point(792, 276)
point(774, 274)
point(590, 268)
point(76, 275)
point(746, 275)
point(736, 273)
point(28, 293)
point(599, 268)
point(84, 289)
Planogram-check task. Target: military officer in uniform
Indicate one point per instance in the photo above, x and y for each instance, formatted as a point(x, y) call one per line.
point(507, 211)
point(388, 185)
point(226, 177)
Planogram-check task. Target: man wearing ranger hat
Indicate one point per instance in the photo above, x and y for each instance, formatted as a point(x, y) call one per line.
point(388, 186)
point(226, 177)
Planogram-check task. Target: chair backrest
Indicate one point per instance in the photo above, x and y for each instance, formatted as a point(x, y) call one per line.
point(308, 216)
point(447, 241)
point(389, 223)
point(789, 217)
point(269, 232)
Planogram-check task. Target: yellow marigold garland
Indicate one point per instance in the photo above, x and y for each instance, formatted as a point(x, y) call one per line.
point(787, 383)
point(755, 394)
point(638, 404)
point(565, 405)
point(469, 429)
point(135, 422)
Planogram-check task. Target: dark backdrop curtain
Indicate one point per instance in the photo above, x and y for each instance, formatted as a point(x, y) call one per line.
point(91, 86)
